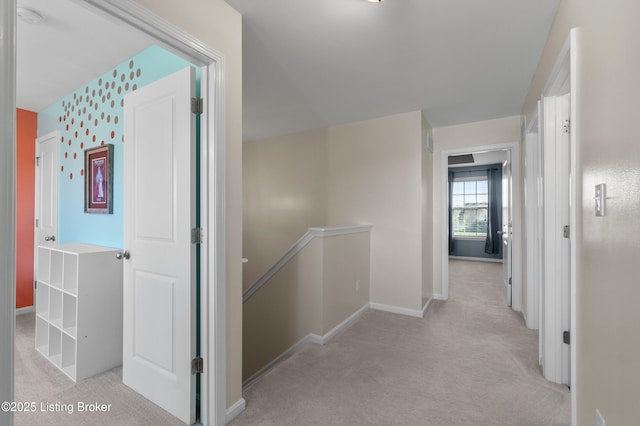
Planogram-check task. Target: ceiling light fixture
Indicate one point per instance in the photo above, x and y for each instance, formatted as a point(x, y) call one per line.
point(29, 16)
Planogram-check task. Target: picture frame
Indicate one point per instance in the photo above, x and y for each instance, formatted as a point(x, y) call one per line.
point(98, 179)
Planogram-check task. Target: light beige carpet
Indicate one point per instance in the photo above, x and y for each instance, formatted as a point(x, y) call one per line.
point(37, 380)
point(470, 361)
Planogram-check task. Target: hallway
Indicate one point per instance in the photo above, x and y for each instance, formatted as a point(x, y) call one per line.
point(469, 361)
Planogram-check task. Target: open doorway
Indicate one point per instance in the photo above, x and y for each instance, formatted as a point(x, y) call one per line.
point(212, 164)
point(505, 229)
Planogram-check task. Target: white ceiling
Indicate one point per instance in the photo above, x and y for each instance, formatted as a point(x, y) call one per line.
point(312, 64)
point(72, 47)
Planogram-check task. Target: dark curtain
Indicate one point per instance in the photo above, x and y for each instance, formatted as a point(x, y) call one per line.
point(494, 239)
point(450, 212)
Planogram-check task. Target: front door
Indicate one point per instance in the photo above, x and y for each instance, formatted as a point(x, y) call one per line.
point(159, 262)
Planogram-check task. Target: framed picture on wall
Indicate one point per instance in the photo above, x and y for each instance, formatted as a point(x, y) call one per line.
point(98, 179)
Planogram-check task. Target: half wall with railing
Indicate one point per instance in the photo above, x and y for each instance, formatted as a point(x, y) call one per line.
point(316, 289)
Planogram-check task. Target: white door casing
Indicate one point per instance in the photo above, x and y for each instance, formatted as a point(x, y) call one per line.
point(46, 201)
point(556, 253)
point(46, 195)
point(507, 230)
point(159, 210)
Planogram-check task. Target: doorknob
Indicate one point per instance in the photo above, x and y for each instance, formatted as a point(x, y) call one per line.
point(50, 238)
point(120, 255)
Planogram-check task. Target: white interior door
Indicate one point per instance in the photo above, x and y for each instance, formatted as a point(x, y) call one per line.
point(556, 244)
point(507, 230)
point(46, 202)
point(159, 266)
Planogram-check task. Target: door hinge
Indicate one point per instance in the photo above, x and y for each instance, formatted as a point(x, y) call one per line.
point(37, 161)
point(566, 126)
point(566, 231)
point(196, 236)
point(37, 223)
point(197, 365)
point(197, 106)
point(35, 284)
point(510, 280)
point(566, 337)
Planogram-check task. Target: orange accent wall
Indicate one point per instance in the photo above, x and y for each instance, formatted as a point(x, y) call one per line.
point(27, 128)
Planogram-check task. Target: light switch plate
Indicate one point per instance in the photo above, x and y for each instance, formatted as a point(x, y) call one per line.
point(600, 199)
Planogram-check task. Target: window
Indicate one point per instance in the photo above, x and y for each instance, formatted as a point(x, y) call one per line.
point(469, 201)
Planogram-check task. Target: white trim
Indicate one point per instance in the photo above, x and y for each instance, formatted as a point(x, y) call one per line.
point(426, 306)
point(297, 247)
point(438, 296)
point(344, 324)
point(26, 310)
point(309, 338)
point(517, 227)
point(533, 220)
point(213, 142)
point(416, 313)
point(574, 213)
point(7, 202)
point(235, 410)
point(476, 259)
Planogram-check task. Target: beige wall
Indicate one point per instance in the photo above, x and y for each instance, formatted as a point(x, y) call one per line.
point(346, 259)
point(285, 193)
point(427, 213)
point(470, 135)
point(313, 293)
point(220, 27)
point(369, 172)
point(608, 318)
point(285, 310)
point(375, 177)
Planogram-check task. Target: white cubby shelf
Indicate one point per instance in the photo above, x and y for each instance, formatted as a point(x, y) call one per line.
point(79, 308)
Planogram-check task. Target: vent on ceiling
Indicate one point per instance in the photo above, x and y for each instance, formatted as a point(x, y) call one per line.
point(460, 159)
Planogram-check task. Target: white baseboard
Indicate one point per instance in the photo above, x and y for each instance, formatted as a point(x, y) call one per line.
point(233, 411)
point(309, 338)
point(426, 306)
point(25, 310)
point(344, 324)
point(439, 297)
point(476, 259)
point(396, 310)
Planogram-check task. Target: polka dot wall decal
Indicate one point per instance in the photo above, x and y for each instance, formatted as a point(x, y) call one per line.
point(115, 73)
point(126, 86)
point(62, 168)
point(130, 64)
point(113, 134)
point(75, 155)
point(81, 145)
point(131, 75)
point(66, 155)
point(119, 90)
point(81, 172)
point(115, 119)
point(102, 143)
point(138, 72)
point(113, 85)
point(122, 77)
point(134, 87)
point(86, 132)
point(70, 175)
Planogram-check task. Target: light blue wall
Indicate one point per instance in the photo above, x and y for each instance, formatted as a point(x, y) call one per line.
point(86, 118)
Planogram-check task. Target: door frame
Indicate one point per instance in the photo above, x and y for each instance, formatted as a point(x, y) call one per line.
point(40, 139)
point(7, 202)
point(213, 270)
point(565, 72)
point(212, 192)
point(533, 220)
point(516, 289)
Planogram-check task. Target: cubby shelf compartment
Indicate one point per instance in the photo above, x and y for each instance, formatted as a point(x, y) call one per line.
point(79, 308)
